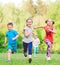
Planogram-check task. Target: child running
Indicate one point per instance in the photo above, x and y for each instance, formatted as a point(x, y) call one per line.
point(48, 39)
point(28, 39)
point(36, 43)
point(11, 36)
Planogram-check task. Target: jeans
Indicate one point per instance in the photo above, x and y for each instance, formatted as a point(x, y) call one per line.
point(27, 47)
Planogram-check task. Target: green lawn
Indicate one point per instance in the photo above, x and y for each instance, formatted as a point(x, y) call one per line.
point(19, 59)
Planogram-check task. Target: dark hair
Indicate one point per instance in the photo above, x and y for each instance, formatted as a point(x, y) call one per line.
point(10, 24)
point(29, 19)
point(47, 21)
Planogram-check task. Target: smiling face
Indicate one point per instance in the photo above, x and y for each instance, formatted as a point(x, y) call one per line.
point(29, 23)
point(10, 27)
point(35, 36)
point(49, 22)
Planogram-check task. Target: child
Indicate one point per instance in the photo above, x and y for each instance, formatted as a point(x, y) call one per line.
point(27, 40)
point(36, 42)
point(11, 36)
point(50, 30)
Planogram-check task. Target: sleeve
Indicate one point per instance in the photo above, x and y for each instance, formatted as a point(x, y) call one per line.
point(25, 28)
point(46, 29)
point(16, 33)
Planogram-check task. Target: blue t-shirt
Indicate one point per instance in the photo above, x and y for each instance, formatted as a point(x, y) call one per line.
point(11, 34)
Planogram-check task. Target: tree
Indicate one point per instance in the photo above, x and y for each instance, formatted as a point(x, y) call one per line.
point(29, 7)
point(41, 8)
point(1, 14)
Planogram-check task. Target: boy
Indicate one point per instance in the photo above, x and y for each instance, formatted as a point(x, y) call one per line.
point(36, 43)
point(11, 36)
point(48, 39)
point(27, 40)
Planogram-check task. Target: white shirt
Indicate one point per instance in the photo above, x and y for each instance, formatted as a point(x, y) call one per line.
point(30, 38)
point(36, 42)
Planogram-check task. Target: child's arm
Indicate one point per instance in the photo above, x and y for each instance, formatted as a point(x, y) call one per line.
point(15, 37)
point(53, 31)
point(26, 33)
point(38, 27)
point(5, 41)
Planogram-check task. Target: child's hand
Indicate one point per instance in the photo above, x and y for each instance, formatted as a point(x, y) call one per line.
point(35, 27)
point(13, 38)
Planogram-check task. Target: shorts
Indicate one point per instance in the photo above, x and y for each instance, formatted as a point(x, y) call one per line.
point(12, 47)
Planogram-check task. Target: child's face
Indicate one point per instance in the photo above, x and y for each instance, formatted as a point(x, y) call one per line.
point(29, 23)
point(35, 36)
point(49, 22)
point(10, 27)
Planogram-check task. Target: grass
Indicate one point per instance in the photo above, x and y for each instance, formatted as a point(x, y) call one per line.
point(19, 59)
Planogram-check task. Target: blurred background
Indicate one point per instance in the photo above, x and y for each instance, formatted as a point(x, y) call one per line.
point(17, 11)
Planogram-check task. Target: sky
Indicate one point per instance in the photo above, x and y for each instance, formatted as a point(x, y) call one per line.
point(17, 2)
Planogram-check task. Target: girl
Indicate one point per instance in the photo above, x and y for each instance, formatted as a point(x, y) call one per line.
point(36, 42)
point(48, 39)
point(27, 40)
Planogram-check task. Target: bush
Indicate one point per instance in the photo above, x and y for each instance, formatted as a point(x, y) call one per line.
point(19, 43)
point(1, 40)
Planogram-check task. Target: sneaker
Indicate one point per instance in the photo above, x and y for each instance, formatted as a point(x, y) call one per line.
point(35, 56)
point(8, 60)
point(12, 52)
point(25, 54)
point(30, 60)
point(48, 58)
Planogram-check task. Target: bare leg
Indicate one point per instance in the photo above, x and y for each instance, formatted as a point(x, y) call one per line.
point(9, 53)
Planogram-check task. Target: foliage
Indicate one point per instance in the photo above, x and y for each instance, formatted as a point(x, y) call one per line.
point(39, 14)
